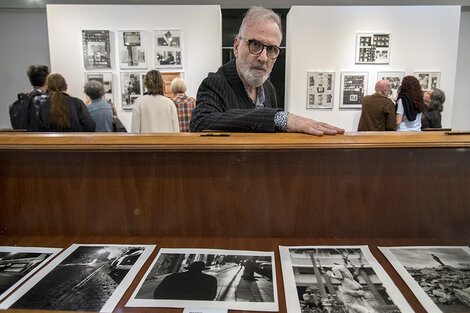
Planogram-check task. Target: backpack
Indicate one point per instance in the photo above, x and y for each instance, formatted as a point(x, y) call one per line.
point(23, 112)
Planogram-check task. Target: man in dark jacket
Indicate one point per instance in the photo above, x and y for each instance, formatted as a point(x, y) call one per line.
point(239, 97)
point(378, 111)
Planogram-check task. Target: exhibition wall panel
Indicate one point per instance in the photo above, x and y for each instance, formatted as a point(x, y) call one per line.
point(323, 38)
point(201, 40)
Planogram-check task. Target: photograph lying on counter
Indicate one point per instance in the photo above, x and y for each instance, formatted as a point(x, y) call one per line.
point(320, 90)
point(337, 279)
point(438, 276)
point(82, 278)
point(428, 80)
point(226, 279)
point(19, 263)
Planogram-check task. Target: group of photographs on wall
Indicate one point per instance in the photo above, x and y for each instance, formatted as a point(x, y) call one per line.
point(317, 279)
point(353, 87)
point(133, 60)
point(372, 48)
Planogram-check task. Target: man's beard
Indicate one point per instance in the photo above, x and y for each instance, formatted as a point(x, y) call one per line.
point(251, 76)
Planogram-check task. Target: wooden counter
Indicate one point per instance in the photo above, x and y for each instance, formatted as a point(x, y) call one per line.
point(243, 191)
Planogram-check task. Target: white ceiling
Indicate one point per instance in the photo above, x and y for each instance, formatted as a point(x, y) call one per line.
point(229, 4)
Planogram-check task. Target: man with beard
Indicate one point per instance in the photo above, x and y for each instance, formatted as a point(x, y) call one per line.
point(239, 96)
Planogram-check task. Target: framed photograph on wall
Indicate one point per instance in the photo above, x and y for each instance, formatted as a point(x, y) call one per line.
point(394, 77)
point(132, 46)
point(132, 87)
point(106, 79)
point(353, 89)
point(320, 90)
point(96, 49)
point(373, 48)
point(428, 80)
point(168, 48)
point(167, 79)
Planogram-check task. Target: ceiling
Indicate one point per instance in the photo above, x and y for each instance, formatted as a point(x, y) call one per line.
point(228, 4)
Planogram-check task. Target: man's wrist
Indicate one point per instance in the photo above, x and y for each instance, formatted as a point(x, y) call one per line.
point(280, 121)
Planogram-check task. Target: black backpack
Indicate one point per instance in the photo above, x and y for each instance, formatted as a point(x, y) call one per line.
point(23, 112)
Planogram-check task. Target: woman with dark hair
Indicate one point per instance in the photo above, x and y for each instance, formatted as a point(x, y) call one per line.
point(434, 99)
point(61, 112)
point(410, 105)
point(153, 112)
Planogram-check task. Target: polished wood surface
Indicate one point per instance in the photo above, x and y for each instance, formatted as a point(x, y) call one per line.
point(243, 191)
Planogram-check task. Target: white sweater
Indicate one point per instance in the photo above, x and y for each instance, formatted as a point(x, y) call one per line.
point(154, 114)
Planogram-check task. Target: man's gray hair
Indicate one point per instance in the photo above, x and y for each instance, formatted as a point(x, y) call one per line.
point(257, 15)
point(94, 89)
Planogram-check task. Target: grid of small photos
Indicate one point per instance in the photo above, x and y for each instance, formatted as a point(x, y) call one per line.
point(346, 278)
point(133, 59)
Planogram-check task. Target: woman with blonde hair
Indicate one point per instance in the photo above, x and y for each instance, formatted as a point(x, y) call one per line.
point(184, 104)
point(153, 112)
point(62, 112)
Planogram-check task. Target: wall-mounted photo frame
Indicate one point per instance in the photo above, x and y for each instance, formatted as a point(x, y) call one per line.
point(320, 90)
point(394, 77)
point(168, 48)
point(373, 48)
point(132, 45)
point(167, 79)
point(353, 89)
point(106, 78)
point(132, 87)
point(428, 80)
point(96, 49)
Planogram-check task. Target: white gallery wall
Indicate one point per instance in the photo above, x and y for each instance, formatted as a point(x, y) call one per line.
point(323, 38)
point(201, 40)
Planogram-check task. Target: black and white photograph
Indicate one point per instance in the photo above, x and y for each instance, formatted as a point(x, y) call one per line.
point(18, 263)
point(428, 80)
point(168, 48)
point(337, 279)
point(226, 279)
point(132, 87)
point(96, 49)
point(132, 45)
point(105, 78)
point(82, 278)
point(373, 48)
point(394, 77)
point(439, 276)
point(353, 89)
point(320, 90)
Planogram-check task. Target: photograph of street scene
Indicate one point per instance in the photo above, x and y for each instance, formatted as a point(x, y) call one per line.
point(339, 280)
point(18, 263)
point(439, 276)
point(84, 278)
point(209, 278)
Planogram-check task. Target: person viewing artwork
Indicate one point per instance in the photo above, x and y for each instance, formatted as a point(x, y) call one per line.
point(184, 103)
point(239, 96)
point(378, 110)
point(153, 112)
point(434, 99)
point(61, 112)
point(100, 110)
point(410, 105)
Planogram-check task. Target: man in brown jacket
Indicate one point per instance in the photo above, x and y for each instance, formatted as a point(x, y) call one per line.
point(378, 111)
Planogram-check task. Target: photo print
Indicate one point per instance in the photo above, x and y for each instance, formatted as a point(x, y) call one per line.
point(19, 263)
point(228, 279)
point(428, 80)
point(320, 90)
point(394, 78)
point(353, 89)
point(438, 276)
point(132, 46)
point(106, 78)
point(167, 79)
point(372, 48)
point(82, 278)
point(132, 87)
point(96, 49)
point(340, 279)
point(168, 48)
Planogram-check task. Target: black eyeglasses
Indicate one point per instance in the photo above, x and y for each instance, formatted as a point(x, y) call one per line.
point(256, 47)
